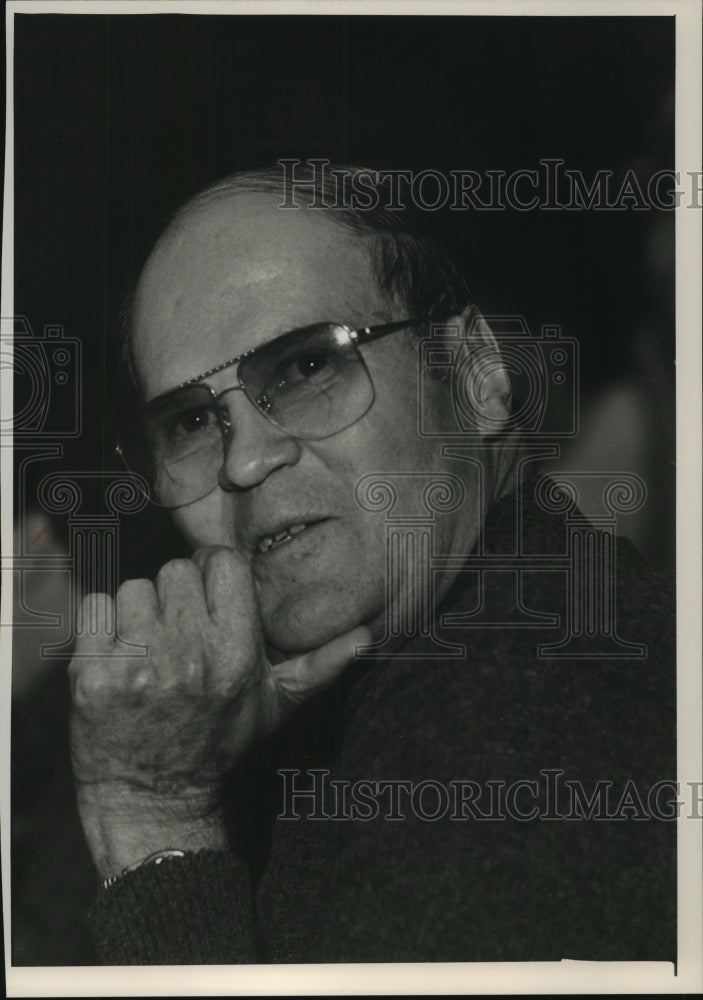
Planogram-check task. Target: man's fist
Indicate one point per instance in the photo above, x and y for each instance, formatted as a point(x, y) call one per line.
point(168, 725)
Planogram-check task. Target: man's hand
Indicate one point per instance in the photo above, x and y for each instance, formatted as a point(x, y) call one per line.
point(153, 736)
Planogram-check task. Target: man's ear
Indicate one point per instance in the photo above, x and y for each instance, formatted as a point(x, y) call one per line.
point(482, 385)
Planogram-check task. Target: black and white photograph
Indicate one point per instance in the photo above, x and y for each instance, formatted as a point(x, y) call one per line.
point(351, 497)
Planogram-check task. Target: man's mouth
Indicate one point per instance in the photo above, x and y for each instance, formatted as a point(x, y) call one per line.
point(270, 542)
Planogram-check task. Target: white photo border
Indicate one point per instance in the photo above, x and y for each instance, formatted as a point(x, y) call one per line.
point(468, 978)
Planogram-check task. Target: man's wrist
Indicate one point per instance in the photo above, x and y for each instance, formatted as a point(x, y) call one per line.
point(125, 825)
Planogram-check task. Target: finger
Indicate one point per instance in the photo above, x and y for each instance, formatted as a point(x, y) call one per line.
point(201, 555)
point(305, 675)
point(95, 624)
point(137, 609)
point(229, 589)
point(179, 588)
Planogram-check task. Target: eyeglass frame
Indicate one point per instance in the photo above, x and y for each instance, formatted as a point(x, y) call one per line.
point(360, 335)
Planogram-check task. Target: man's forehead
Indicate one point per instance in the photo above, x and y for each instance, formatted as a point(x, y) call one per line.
point(235, 271)
point(248, 237)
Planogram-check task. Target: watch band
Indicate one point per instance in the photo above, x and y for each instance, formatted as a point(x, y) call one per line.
point(152, 859)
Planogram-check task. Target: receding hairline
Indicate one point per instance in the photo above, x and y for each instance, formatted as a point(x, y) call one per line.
point(262, 198)
point(409, 269)
point(195, 223)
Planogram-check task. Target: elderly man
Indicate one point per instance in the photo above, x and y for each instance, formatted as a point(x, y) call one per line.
point(249, 786)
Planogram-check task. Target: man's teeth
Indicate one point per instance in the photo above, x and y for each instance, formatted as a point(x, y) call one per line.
point(273, 541)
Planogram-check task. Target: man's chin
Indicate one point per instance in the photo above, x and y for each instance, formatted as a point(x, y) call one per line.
point(295, 627)
point(285, 640)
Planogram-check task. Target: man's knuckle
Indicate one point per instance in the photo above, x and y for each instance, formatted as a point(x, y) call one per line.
point(192, 676)
point(221, 558)
point(135, 591)
point(98, 683)
point(140, 679)
point(176, 571)
point(90, 684)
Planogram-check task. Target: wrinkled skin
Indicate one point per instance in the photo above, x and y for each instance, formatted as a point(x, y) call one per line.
point(216, 689)
point(235, 637)
point(160, 732)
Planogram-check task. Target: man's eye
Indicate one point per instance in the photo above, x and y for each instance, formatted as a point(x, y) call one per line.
point(309, 367)
point(192, 422)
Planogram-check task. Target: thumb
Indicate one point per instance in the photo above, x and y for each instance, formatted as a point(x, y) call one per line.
point(304, 676)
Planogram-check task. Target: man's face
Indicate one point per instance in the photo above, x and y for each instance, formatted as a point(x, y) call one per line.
point(232, 275)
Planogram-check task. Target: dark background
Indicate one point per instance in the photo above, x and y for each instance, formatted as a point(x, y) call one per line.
point(118, 119)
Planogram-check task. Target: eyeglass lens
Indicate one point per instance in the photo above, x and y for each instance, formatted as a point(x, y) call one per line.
point(312, 383)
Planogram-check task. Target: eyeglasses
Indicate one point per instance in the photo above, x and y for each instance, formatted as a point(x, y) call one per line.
point(311, 383)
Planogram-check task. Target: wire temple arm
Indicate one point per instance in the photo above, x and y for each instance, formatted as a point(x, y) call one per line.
point(366, 333)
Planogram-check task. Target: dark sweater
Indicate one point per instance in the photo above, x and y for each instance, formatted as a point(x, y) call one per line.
point(459, 887)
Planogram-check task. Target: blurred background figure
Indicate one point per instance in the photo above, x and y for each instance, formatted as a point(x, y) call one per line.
point(628, 416)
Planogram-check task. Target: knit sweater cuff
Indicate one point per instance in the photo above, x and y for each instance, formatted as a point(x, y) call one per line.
point(189, 911)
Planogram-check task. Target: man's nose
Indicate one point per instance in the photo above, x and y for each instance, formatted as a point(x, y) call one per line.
point(254, 447)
